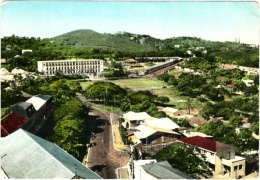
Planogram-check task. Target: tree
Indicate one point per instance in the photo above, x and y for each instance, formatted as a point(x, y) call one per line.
point(189, 102)
point(60, 90)
point(183, 158)
point(250, 91)
point(235, 120)
point(68, 134)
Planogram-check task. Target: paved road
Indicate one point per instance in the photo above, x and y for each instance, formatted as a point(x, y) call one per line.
point(103, 158)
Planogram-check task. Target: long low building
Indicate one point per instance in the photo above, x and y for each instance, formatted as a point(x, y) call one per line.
point(89, 67)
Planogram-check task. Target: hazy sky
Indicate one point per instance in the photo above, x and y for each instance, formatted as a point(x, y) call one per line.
point(220, 21)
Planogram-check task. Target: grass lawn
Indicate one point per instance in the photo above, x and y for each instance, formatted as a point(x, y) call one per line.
point(84, 85)
point(174, 96)
point(175, 72)
point(139, 83)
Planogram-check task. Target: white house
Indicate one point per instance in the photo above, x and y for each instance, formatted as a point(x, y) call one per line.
point(131, 119)
point(248, 82)
point(163, 123)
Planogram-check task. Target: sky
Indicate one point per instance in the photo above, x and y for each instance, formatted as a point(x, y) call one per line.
point(217, 21)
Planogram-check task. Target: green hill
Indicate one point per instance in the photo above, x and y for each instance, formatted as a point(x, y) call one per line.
point(92, 39)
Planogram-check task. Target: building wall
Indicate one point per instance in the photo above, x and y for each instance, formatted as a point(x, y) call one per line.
point(89, 67)
point(227, 154)
point(238, 169)
point(218, 165)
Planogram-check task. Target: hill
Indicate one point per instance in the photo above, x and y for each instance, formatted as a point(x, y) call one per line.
point(92, 39)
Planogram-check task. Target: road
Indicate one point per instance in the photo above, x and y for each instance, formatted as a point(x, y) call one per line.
point(103, 158)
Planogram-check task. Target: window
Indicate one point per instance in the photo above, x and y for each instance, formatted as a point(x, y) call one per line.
point(238, 167)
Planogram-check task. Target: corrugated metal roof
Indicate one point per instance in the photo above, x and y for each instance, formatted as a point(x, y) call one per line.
point(206, 143)
point(144, 131)
point(26, 156)
point(136, 116)
point(163, 170)
point(164, 123)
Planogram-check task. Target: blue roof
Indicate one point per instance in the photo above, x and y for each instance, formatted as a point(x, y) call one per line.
point(26, 156)
point(163, 170)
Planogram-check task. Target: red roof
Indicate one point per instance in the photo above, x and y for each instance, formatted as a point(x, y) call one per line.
point(12, 122)
point(231, 85)
point(3, 132)
point(201, 142)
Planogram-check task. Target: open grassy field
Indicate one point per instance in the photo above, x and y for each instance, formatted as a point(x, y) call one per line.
point(139, 83)
point(175, 72)
point(174, 97)
point(84, 85)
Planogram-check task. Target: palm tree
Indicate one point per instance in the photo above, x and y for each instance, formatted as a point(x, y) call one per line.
point(189, 102)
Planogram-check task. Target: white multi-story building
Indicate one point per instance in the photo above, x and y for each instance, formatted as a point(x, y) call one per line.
point(89, 67)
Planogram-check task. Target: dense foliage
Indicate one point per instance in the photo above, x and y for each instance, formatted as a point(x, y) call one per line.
point(243, 141)
point(69, 130)
point(183, 158)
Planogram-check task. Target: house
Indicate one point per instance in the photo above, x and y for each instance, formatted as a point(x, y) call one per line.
point(169, 111)
point(134, 168)
point(197, 121)
point(150, 169)
point(152, 139)
point(221, 156)
point(26, 156)
point(26, 51)
point(3, 61)
point(189, 133)
point(163, 123)
point(132, 119)
point(131, 63)
point(248, 82)
point(24, 109)
point(37, 110)
point(231, 85)
point(153, 135)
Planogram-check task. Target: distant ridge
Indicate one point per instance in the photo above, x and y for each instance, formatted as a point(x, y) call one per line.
point(125, 41)
point(92, 39)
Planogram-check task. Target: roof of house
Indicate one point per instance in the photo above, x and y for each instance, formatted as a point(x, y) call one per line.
point(12, 122)
point(164, 123)
point(3, 132)
point(144, 131)
point(23, 108)
point(26, 156)
point(169, 109)
point(130, 60)
point(44, 97)
point(136, 116)
point(197, 121)
point(231, 85)
point(191, 134)
point(37, 102)
point(163, 170)
point(206, 143)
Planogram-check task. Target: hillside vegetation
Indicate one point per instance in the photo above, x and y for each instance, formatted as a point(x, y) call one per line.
point(92, 39)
